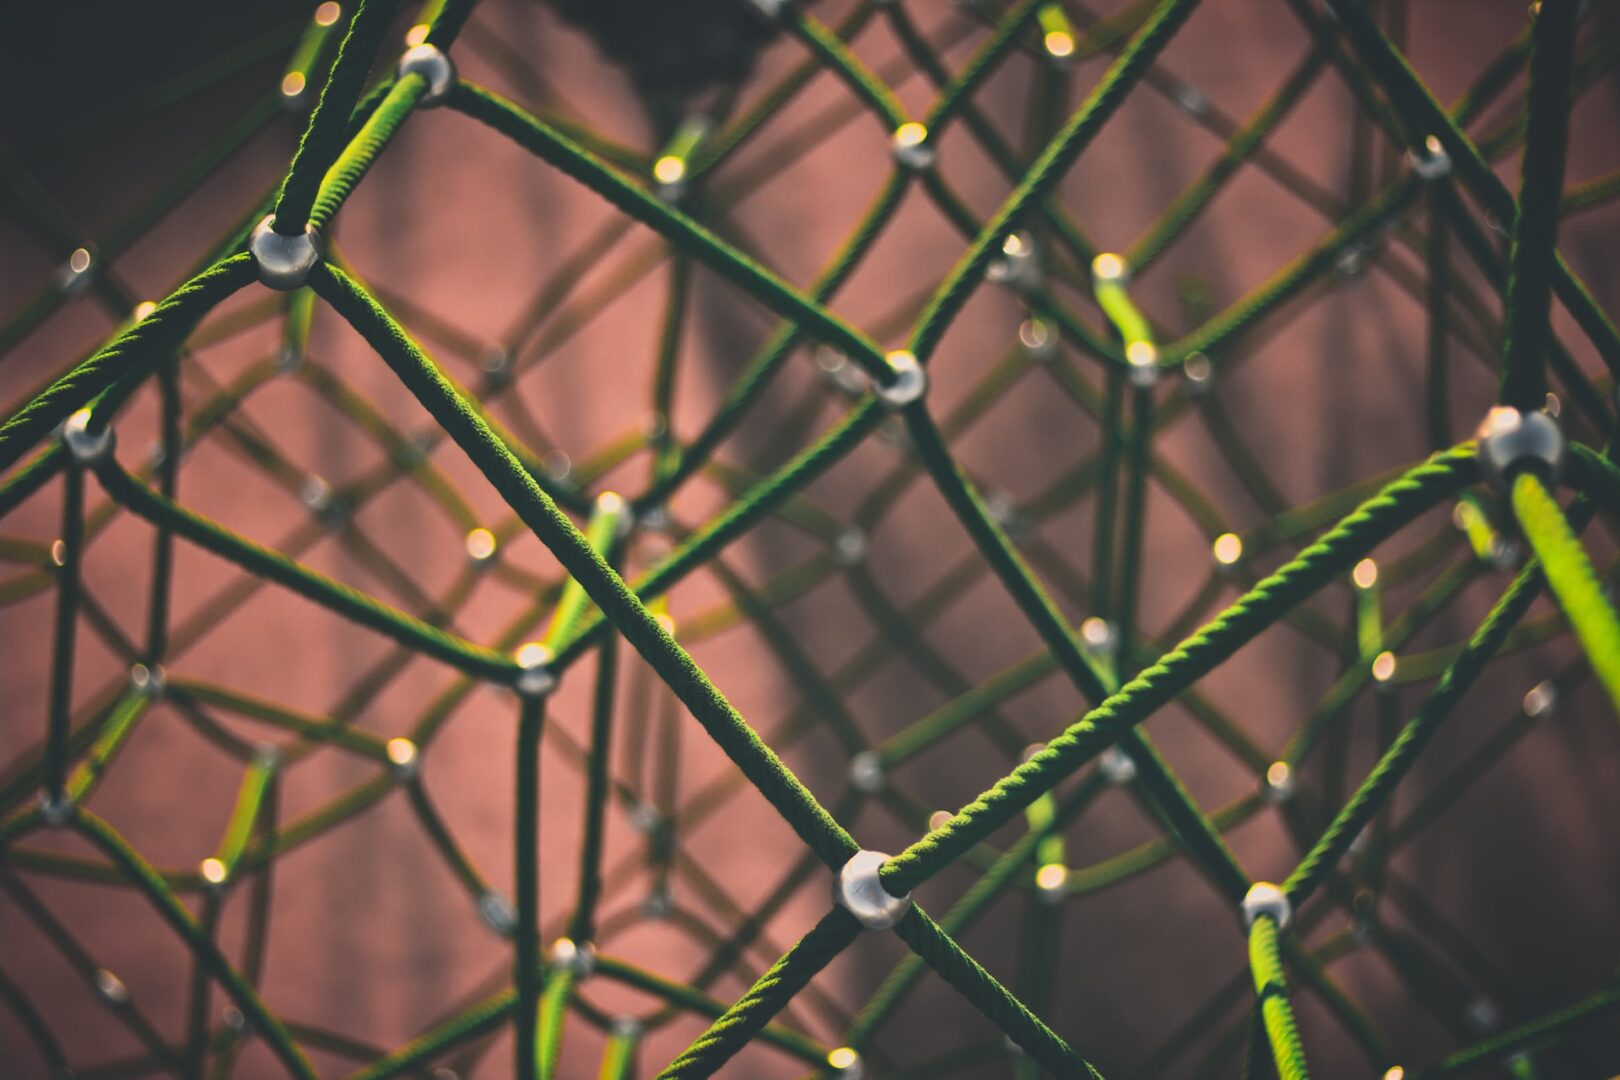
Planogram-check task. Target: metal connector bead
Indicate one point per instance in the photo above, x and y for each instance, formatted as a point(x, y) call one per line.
point(268, 755)
point(1264, 898)
point(848, 1062)
point(849, 546)
point(1280, 783)
point(430, 62)
point(87, 447)
point(909, 384)
point(404, 760)
point(1108, 268)
point(1018, 266)
point(866, 772)
point(1511, 440)
point(911, 148)
point(1142, 359)
point(111, 989)
point(149, 682)
point(772, 9)
point(497, 913)
point(284, 261)
point(55, 811)
point(536, 678)
point(1116, 766)
point(577, 958)
point(1432, 162)
point(858, 891)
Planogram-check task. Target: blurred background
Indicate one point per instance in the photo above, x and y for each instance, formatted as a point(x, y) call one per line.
point(140, 135)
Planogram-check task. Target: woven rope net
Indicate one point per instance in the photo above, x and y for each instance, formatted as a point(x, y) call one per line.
point(1458, 586)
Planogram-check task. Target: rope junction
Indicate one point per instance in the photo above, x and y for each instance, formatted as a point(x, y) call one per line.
point(1134, 378)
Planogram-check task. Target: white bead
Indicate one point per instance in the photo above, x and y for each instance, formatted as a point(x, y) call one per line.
point(848, 1063)
point(54, 811)
point(496, 912)
point(578, 958)
point(110, 988)
point(1193, 101)
point(858, 891)
point(866, 772)
point(1432, 162)
point(849, 546)
point(535, 679)
point(1511, 439)
point(87, 447)
point(1116, 766)
point(149, 682)
point(284, 261)
point(1264, 898)
point(430, 62)
point(911, 147)
point(909, 384)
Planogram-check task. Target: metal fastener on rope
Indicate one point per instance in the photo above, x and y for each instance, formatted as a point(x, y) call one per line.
point(535, 679)
point(577, 958)
point(1511, 440)
point(858, 891)
point(910, 146)
point(87, 447)
point(1264, 898)
point(430, 62)
point(284, 261)
point(909, 384)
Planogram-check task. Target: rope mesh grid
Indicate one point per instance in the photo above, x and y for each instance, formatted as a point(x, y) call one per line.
point(604, 595)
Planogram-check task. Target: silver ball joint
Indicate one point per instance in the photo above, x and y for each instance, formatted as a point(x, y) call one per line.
point(111, 989)
point(55, 810)
point(85, 446)
point(1116, 766)
point(866, 772)
point(1431, 162)
point(535, 677)
point(772, 9)
point(909, 384)
point(284, 261)
point(858, 891)
point(430, 62)
point(1511, 440)
point(911, 148)
point(497, 913)
point(149, 682)
point(577, 958)
point(1264, 898)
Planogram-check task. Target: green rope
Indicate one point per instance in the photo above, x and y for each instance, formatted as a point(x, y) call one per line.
point(1332, 555)
point(757, 761)
point(1571, 578)
point(728, 1034)
point(1265, 958)
point(326, 137)
point(1535, 229)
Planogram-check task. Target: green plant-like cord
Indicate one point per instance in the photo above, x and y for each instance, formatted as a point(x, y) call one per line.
point(1570, 577)
point(526, 955)
point(1265, 959)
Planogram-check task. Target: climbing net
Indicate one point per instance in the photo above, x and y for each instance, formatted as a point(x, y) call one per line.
point(1081, 332)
